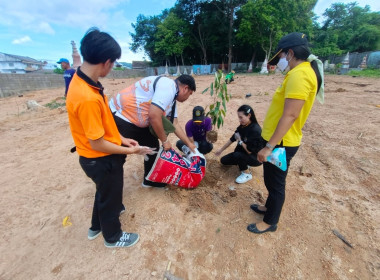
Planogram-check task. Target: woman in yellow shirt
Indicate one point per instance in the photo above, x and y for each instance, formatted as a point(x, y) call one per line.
point(288, 112)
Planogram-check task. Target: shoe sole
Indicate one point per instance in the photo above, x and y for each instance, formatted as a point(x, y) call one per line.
point(130, 245)
point(93, 237)
point(243, 182)
point(145, 186)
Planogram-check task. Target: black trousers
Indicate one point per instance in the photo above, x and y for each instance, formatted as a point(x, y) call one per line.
point(204, 147)
point(141, 135)
point(275, 180)
point(107, 174)
point(241, 159)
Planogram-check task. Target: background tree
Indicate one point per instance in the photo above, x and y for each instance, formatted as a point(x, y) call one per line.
point(263, 22)
point(172, 37)
point(144, 37)
point(200, 15)
point(229, 8)
point(347, 27)
point(213, 31)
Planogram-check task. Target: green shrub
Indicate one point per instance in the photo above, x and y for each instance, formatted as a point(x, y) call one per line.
point(374, 73)
point(59, 71)
point(56, 104)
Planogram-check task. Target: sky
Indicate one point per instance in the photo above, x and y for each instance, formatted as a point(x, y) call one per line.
point(44, 29)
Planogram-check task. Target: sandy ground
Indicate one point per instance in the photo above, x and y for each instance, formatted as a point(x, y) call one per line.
point(333, 183)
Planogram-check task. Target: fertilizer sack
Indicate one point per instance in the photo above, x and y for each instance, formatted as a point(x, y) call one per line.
point(182, 171)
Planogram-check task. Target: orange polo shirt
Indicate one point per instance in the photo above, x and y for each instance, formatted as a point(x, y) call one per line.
point(89, 115)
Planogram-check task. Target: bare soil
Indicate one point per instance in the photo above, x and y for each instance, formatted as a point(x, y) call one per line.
point(212, 136)
point(333, 184)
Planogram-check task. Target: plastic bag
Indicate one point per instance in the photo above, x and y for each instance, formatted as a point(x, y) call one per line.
point(182, 171)
point(278, 158)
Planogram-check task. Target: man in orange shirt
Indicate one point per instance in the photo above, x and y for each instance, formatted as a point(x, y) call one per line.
point(97, 138)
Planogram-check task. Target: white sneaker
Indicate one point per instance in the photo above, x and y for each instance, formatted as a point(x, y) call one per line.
point(243, 178)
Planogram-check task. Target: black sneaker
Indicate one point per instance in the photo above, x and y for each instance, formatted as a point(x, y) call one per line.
point(149, 184)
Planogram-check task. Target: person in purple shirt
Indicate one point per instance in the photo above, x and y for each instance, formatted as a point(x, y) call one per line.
point(196, 130)
point(68, 74)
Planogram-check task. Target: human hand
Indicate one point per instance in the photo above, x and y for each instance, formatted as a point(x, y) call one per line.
point(192, 147)
point(237, 136)
point(167, 145)
point(263, 154)
point(218, 152)
point(144, 150)
point(129, 142)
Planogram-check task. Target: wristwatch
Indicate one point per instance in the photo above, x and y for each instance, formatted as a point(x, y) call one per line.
point(240, 142)
point(269, 146)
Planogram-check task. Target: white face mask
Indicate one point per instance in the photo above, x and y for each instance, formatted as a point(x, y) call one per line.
point(282, 64)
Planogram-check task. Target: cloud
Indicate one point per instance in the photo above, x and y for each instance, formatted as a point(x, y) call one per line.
point(21, 40)
point(44, 27)
point(40, 16)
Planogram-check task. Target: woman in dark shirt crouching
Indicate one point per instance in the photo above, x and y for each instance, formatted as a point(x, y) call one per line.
point(249, 142)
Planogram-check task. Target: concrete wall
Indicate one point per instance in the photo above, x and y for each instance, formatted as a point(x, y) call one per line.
point(153, 71)
point(126, 73)
point(373, 59)
point(12, 84)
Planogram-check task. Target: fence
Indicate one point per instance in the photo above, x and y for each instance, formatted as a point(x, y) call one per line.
point(373, 59)
point(172, 70)
point(13, 84)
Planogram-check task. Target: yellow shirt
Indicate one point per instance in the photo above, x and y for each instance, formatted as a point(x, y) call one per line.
point(89, 115)
point(299, 83)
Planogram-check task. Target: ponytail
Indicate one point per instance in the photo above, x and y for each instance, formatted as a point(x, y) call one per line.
point(317, 66)
point(314, 65)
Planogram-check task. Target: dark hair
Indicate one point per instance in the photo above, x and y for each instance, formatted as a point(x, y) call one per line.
point(302, 52)
point(246, 109)
point(97, 47)
point(187, 80)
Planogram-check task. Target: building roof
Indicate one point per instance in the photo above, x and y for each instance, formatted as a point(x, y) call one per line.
point(19, 58)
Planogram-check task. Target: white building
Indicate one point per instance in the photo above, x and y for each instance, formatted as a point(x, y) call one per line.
point(10, 63)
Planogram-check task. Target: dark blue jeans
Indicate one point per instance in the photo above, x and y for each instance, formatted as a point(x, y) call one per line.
point(275, 180)
point(107, 174)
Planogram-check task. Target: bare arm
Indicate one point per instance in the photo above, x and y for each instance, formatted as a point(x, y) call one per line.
point(245, 148)
point(128, 142)
point(155, 119)
point(292, 109)
point(105, 146)
point(182, 135)
point(218, 152)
